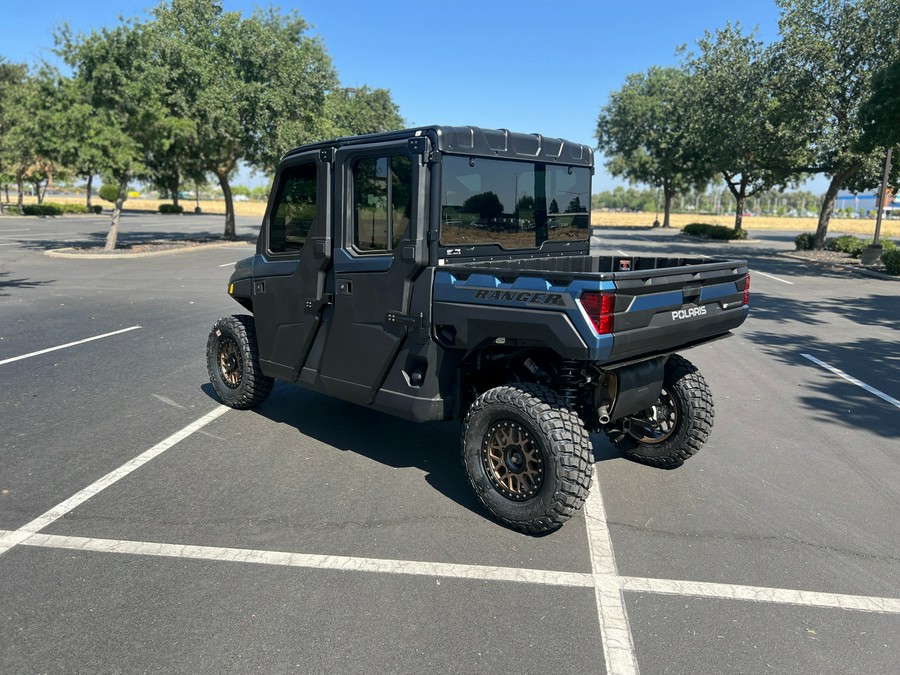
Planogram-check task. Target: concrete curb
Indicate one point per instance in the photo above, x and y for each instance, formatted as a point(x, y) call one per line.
point(852, 268)
point(68, 252)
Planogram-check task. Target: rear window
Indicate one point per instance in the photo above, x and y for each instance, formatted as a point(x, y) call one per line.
point(514, 204)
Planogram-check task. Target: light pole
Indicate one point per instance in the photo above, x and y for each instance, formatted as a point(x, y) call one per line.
point(872, 254)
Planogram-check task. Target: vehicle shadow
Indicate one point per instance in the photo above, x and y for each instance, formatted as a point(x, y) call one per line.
point(431, 447)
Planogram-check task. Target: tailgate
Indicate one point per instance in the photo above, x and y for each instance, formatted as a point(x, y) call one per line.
point(667, 309)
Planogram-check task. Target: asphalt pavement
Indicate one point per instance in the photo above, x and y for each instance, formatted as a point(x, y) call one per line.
point(145, 527)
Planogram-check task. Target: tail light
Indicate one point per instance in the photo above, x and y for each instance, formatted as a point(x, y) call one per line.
point(599, 307)
point(747, 289)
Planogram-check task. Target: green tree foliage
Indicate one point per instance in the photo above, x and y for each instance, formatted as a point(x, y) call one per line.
point(838, 45)
point(745, 121)
point(880, 118)
point(486, 204)
point(249, 88)
point(644, 133)
point(26, 138)
point(115, 74)
point(360, 111)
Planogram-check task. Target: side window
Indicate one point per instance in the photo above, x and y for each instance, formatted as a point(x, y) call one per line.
point(295, 210)
point(382, 188)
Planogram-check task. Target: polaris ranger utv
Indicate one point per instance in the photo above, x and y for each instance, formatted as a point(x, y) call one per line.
point(444, 273)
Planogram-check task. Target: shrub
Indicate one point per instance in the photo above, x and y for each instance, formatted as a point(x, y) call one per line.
point(891, 260)
point(707, 231)
point(171, 208)
point(96, 208)
point(109, 192)
point(73, 208)
point(846, 244)
point(805, 241)
point(14, 210)
point(850, 244)
point(42, 210)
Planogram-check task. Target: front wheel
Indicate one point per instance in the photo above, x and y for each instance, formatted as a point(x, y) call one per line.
point(527, 456)
point(675, 427)
point(232, 361)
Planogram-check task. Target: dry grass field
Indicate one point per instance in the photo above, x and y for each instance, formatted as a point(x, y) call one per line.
point(863, 226)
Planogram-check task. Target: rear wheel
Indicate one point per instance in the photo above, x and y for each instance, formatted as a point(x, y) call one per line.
point(527, 457)
point(675, 427)
point(232, 361)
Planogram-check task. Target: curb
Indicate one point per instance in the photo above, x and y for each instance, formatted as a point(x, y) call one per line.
point(851, 268)
point(66, 252)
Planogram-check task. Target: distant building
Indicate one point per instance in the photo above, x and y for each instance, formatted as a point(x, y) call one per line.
point(864, 203)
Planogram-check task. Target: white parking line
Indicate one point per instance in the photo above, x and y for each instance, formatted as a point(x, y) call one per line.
point(699, 589)
point(315, 561)
point(231, 264)
point(840, 373)
point(615, 633)
point(779, 596)
point(12, 539)
point(771, 276)
point(69, 344)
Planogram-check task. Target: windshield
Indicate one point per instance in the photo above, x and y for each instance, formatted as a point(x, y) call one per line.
point(514, 204)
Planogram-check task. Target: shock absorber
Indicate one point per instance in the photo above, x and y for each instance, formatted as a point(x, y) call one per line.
point(568, 383)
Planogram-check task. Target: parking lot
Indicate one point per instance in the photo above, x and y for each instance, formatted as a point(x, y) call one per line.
point(145, 527)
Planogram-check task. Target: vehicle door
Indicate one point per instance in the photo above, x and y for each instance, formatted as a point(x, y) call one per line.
point(289, 274)
point(379, 254)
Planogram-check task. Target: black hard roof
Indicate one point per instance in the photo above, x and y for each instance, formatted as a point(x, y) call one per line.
point(499, 143)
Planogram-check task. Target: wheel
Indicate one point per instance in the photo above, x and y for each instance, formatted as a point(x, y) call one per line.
point(676, 426)
point(527, 456)
point(232, 360)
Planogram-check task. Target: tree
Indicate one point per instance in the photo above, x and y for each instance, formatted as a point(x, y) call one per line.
point(25, 135)
point(644, 132)
point(116, 78)
point(251, 88)
point(12, 79)
point(745, 120)
point(350, 111)
point(879, 115)
point(838, 45)
point(486, 204)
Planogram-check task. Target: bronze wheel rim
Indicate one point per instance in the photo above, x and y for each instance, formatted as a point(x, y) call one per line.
point(512, 460)
point(230, 362)
point(657, 423)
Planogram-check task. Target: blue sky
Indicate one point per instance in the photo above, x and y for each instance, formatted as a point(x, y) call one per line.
point(526, 65)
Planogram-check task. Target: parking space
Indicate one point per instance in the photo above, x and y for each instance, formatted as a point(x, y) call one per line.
point(145, 527)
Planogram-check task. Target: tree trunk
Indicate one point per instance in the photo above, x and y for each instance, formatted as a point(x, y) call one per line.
point(667, 206)
point(20, 186)
point(113, 233)
point(87, 201)
point(739, 210)
point(174, 186)
point(828, 206)
point(229, 205)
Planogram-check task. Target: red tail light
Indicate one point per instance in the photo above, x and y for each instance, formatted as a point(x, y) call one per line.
point(599, 307)
point(747, 289)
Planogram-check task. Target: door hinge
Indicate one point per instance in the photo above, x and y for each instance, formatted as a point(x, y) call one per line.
point(406, 320)
point(314, 306)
